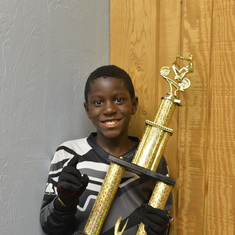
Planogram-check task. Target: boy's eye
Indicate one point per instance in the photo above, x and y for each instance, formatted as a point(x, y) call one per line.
point(97, 102)
point(119, 100)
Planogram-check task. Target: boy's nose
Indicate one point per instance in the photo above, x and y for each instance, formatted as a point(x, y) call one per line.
point(109, 108)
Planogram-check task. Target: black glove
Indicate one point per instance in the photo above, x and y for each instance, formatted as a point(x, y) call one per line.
point(156, 221)
point(71, 185)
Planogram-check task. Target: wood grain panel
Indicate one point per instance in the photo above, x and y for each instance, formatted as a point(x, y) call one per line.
point(193, 118)
point(221, 144)
point(133, 41)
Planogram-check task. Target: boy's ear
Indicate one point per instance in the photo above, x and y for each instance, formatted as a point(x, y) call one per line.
point(134, 105)
point(87, 109)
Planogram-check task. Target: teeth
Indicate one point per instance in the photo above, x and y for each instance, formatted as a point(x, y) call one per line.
point(110, 122)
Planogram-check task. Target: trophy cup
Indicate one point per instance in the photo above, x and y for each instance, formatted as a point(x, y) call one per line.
point(147, 156)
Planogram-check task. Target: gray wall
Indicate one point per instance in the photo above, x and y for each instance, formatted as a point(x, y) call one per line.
point(47, 50)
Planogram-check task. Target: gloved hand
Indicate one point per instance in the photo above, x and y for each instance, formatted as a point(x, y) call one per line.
point(71, 185)
point(156, 221)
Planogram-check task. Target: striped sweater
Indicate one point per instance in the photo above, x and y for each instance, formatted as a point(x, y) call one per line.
point(133, 190)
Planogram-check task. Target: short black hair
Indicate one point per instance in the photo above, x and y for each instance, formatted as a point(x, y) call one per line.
point(110, 71)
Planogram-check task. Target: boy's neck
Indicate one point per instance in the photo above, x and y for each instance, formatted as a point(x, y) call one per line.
point(115, 147)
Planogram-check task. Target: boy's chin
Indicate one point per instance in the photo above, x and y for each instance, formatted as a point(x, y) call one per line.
point(113, 135)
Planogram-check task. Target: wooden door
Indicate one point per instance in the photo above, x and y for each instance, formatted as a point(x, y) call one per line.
point(148, 34)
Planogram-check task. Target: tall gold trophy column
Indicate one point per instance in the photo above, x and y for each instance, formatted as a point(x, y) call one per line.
point(157, 133)
point(147, 156)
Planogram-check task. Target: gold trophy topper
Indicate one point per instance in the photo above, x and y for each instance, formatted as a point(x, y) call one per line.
point(180, 72)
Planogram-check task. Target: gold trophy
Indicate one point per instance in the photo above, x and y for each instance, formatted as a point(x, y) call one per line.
point(147, 156)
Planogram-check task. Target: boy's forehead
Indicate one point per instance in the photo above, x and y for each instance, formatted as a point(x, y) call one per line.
point(105, 84)
point(107, 81)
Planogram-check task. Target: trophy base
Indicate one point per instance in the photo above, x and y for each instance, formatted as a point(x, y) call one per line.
point(140, 170)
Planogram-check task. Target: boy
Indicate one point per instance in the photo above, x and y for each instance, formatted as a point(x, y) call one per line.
point(110, 102)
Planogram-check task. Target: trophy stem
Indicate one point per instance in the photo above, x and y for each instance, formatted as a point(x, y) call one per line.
point(104, 199)
point(158, 200)
point(149, 152)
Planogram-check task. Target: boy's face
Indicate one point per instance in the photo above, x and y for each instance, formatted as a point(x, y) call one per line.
point(110, 107)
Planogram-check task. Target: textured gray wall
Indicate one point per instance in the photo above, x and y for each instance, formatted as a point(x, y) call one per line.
point(47, 50)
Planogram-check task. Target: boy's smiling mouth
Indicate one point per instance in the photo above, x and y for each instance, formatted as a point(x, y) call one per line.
point(111, 122)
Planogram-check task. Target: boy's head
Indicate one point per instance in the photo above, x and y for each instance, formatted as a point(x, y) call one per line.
point(110, 102)
point(110, 71)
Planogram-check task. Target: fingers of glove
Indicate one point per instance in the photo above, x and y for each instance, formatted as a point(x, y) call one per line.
point(74, 161)
point(154, 214)
point(156, 227)
point(70, 170)
point(71, 178)
point(151, 231)
point(65, 192)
